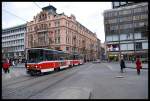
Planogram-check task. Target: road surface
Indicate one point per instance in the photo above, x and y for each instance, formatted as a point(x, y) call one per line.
point(88, 81)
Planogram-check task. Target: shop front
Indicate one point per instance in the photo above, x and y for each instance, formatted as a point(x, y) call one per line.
point(113, 57)
point(143, 55)
point(128, 56)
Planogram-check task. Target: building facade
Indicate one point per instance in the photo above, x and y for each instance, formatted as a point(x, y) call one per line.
point(99, 48)
point(51, 30)
point(103, 51)
point(126, 32)
point(13, 43)
point(122, 4)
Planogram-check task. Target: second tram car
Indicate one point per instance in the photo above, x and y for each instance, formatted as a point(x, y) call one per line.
point(40, 60)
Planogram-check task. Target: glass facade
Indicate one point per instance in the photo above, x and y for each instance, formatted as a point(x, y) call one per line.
point(13, 41)
point(127, 26)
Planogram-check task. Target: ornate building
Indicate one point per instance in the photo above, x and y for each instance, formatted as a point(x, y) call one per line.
point(58, 31)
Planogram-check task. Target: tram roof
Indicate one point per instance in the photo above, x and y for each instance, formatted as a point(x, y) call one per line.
point(55, 51)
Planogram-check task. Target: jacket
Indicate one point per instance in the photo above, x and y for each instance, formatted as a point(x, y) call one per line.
point(6, 65)
point(138, 64)
point(122, 64)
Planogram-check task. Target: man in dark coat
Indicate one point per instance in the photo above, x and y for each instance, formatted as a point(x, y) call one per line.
point(122, 65)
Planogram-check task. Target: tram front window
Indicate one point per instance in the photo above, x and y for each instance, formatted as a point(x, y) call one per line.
point(35, 56)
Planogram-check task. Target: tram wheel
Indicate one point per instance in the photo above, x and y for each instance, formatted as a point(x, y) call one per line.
point(57, 69)
point(70, 66)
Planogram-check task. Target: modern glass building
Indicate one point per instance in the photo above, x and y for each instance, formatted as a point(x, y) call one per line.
point(122, 4)
point(13, 42)
point(126, 32)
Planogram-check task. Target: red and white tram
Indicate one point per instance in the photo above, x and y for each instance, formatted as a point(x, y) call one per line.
point(40, 60)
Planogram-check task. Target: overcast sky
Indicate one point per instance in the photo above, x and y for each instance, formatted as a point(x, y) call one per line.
point(89, 14)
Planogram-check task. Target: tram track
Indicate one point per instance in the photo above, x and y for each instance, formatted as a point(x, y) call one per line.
point(34, 83)
point(18, 81)
point(56, 82)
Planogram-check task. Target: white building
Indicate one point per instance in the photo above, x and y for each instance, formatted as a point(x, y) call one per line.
point(13, 42)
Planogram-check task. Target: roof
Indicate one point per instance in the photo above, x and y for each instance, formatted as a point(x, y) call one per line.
point(49, 7)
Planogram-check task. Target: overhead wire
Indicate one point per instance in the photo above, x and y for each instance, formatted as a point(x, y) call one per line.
point(14, 15)
point(37, 5)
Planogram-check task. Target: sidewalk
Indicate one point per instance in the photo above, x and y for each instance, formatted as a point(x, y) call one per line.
point(20, 65)
point(14, 72)
point(133, 66)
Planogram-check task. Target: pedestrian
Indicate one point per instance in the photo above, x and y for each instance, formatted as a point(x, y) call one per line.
point(138, 65)
point(10, 62)
point(13, 63)
point(122, 65)
point(6, 65)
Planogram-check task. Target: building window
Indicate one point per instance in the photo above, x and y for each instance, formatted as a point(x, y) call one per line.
point(116, 3)
point(58, 39)
point(67, 48)
point(123, 46)
point(115, 37)
point(136, 10)
point(129, 36)
point(55, 23)
point(123, 3)
point(124, 12)
point(137, 35)
point(130, 46)
point(145, 45)
point(144, 16)
point(115, 27)
point(138, 45)
point(108, 38)
point(112, 21)
point(136, 17)
point(58, 23)
point(112, 47)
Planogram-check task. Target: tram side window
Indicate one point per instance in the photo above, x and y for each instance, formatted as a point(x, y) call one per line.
point(56, 57)
point(48, 56)
point(67, 56)
point(71, 57)
point(35, 56)
point(61, 56)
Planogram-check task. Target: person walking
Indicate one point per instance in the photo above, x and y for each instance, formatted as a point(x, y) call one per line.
point(138, 65)
point(122, 65)
point(6, 65)
point(13, 63)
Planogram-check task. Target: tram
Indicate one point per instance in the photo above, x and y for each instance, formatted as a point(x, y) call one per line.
point(40, 60)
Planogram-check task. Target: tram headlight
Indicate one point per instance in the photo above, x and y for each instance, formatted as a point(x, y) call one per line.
point(36, 66)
